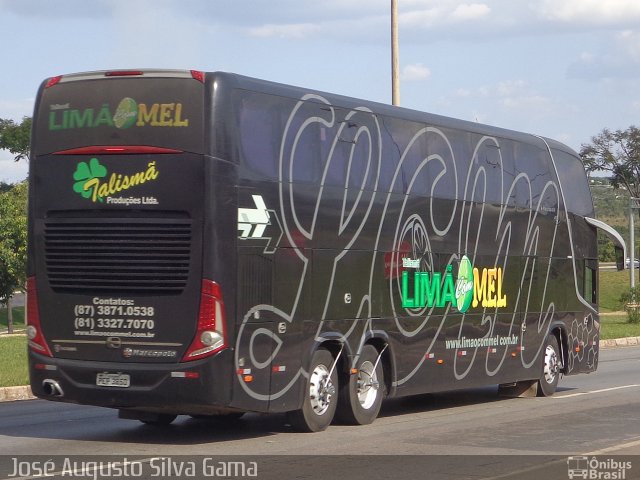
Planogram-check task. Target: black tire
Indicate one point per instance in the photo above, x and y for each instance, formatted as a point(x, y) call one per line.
point(361, 396)
point(320, 395)
point(162, 419)
point(551, 367)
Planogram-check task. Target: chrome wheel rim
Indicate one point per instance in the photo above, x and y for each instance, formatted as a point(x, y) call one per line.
point(551, 364)
point(367, 385)
point(321, 389)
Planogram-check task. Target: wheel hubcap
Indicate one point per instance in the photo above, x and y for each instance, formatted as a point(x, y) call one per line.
point(321, 390)
point(367, 385)
point(551, 364)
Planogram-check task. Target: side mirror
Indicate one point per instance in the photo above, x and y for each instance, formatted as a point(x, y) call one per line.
point(620, 258)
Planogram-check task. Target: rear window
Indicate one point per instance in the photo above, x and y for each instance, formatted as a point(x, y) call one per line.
point(96, 110)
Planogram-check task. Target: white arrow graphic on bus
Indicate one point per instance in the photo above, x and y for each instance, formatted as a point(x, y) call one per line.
point(253, 218)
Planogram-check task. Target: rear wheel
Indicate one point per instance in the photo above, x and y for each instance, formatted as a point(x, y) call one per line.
point(551, 367)
point(320, 397)
point(361, 397)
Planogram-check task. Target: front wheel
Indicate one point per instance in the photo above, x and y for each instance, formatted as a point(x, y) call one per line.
point(361, 397)
point(320, 398)
point(551, 367)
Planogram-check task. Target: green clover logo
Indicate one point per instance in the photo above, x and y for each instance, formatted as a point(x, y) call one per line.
point(464, 285)
point(86, 172)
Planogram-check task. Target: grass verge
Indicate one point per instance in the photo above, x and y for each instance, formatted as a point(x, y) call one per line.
point(616, 326)
point(13, 358)
point(612, 285)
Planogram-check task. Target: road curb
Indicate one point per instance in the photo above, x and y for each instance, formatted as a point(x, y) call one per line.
point(10, 394)
point(620, 342)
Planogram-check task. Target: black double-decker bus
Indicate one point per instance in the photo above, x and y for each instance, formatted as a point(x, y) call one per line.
point(212, 244)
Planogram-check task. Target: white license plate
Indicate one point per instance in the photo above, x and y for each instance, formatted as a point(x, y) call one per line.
point(113, 380)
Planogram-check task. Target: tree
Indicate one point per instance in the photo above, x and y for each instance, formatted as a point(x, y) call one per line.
point(616, 152)
point(16, 137)
point(13, 244)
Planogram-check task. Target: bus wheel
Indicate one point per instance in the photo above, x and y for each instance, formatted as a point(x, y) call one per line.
point(361, 396)
point(319, 405)
point(159, 420)
point(550, 368)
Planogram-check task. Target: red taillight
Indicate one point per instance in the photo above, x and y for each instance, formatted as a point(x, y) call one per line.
point(118, 150)
point(53, 81)
point(211, 333)
point(37, 343)
point(123, 73)
point(198, 75)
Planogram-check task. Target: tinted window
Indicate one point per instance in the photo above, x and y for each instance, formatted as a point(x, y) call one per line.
point(574, 183)
point(164, 112)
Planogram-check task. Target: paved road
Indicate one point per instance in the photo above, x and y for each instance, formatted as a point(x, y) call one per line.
point(597, 414)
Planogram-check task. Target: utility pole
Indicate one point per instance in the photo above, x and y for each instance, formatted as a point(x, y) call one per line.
point(395, 55)
point(634, 204)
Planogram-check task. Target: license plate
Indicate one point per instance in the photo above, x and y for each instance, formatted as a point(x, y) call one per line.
point(113, 380)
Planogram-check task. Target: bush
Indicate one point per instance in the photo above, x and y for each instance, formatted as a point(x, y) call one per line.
point(631, 303)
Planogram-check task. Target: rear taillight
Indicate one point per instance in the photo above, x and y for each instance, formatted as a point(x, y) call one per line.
point(211, 334)
point(197, 75)
point(37, 343)
point(124, 73)
point(53, 81)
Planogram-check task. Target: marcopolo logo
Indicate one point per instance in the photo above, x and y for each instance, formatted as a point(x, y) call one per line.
point(127, 113)
point(474, 287)
point(91, 180)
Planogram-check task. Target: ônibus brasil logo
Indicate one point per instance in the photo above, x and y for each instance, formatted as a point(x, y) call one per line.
point(89, 182)
point(474, 287)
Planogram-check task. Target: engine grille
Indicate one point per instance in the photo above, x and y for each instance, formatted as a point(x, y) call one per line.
point(142, 256)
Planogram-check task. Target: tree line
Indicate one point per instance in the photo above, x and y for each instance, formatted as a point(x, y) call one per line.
point(14, 137)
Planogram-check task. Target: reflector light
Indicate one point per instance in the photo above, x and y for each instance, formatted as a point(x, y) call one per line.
point(53, 81)
point(118, 150)
point(248, 378)
point(211, 324)
point(190, 375)
point(44, 366)
point(37, 343)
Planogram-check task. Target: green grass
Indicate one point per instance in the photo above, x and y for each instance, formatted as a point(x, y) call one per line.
point(18, 318)
point(612, 285)
point(616, 326)
point(13, 361)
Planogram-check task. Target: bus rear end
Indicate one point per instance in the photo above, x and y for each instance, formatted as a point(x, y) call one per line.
point(120, 313)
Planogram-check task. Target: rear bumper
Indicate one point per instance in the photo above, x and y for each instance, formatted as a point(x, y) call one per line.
point(154, 387)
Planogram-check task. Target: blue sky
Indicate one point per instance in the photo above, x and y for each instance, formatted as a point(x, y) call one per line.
point(565, 69)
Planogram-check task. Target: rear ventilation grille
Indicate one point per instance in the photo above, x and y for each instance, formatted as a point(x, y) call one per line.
point(141, 256)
